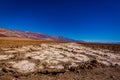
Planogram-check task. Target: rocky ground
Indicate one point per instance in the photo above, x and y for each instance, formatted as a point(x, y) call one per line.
point(61, 61)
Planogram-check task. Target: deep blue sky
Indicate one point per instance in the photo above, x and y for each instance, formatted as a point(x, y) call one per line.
point(88, 20)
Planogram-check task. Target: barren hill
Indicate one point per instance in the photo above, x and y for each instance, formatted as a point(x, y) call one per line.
point(31, 35)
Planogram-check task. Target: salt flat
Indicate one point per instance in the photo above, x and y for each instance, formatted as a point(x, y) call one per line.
point(55, 57)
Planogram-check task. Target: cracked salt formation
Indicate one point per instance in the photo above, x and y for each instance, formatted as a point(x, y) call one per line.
point(24, 66)
point(56, 56)
point(52, 62)
point(5, 49)
point(44, 46)
point(82, 58)
point(11, 51)
point(40, 67)
point(27, 48)
point(5, 57)
point(73, 65)
point(38, 57)
point(110, 55)
point(23, 49)
point(57, 67)
point(104, 62)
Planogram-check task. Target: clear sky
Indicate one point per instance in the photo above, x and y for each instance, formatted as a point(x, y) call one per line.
point(88, 20)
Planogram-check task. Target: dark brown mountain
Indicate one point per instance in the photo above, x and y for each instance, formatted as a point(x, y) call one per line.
point(31, 35)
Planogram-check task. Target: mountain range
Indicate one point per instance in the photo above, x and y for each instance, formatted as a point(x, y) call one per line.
point(31, 35)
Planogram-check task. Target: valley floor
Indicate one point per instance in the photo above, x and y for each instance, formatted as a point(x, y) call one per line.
point(58, 61)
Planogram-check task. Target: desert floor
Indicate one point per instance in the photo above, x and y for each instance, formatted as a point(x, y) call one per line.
point(58, 61)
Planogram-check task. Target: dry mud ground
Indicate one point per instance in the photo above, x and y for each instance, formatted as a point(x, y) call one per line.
point(58, 61)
